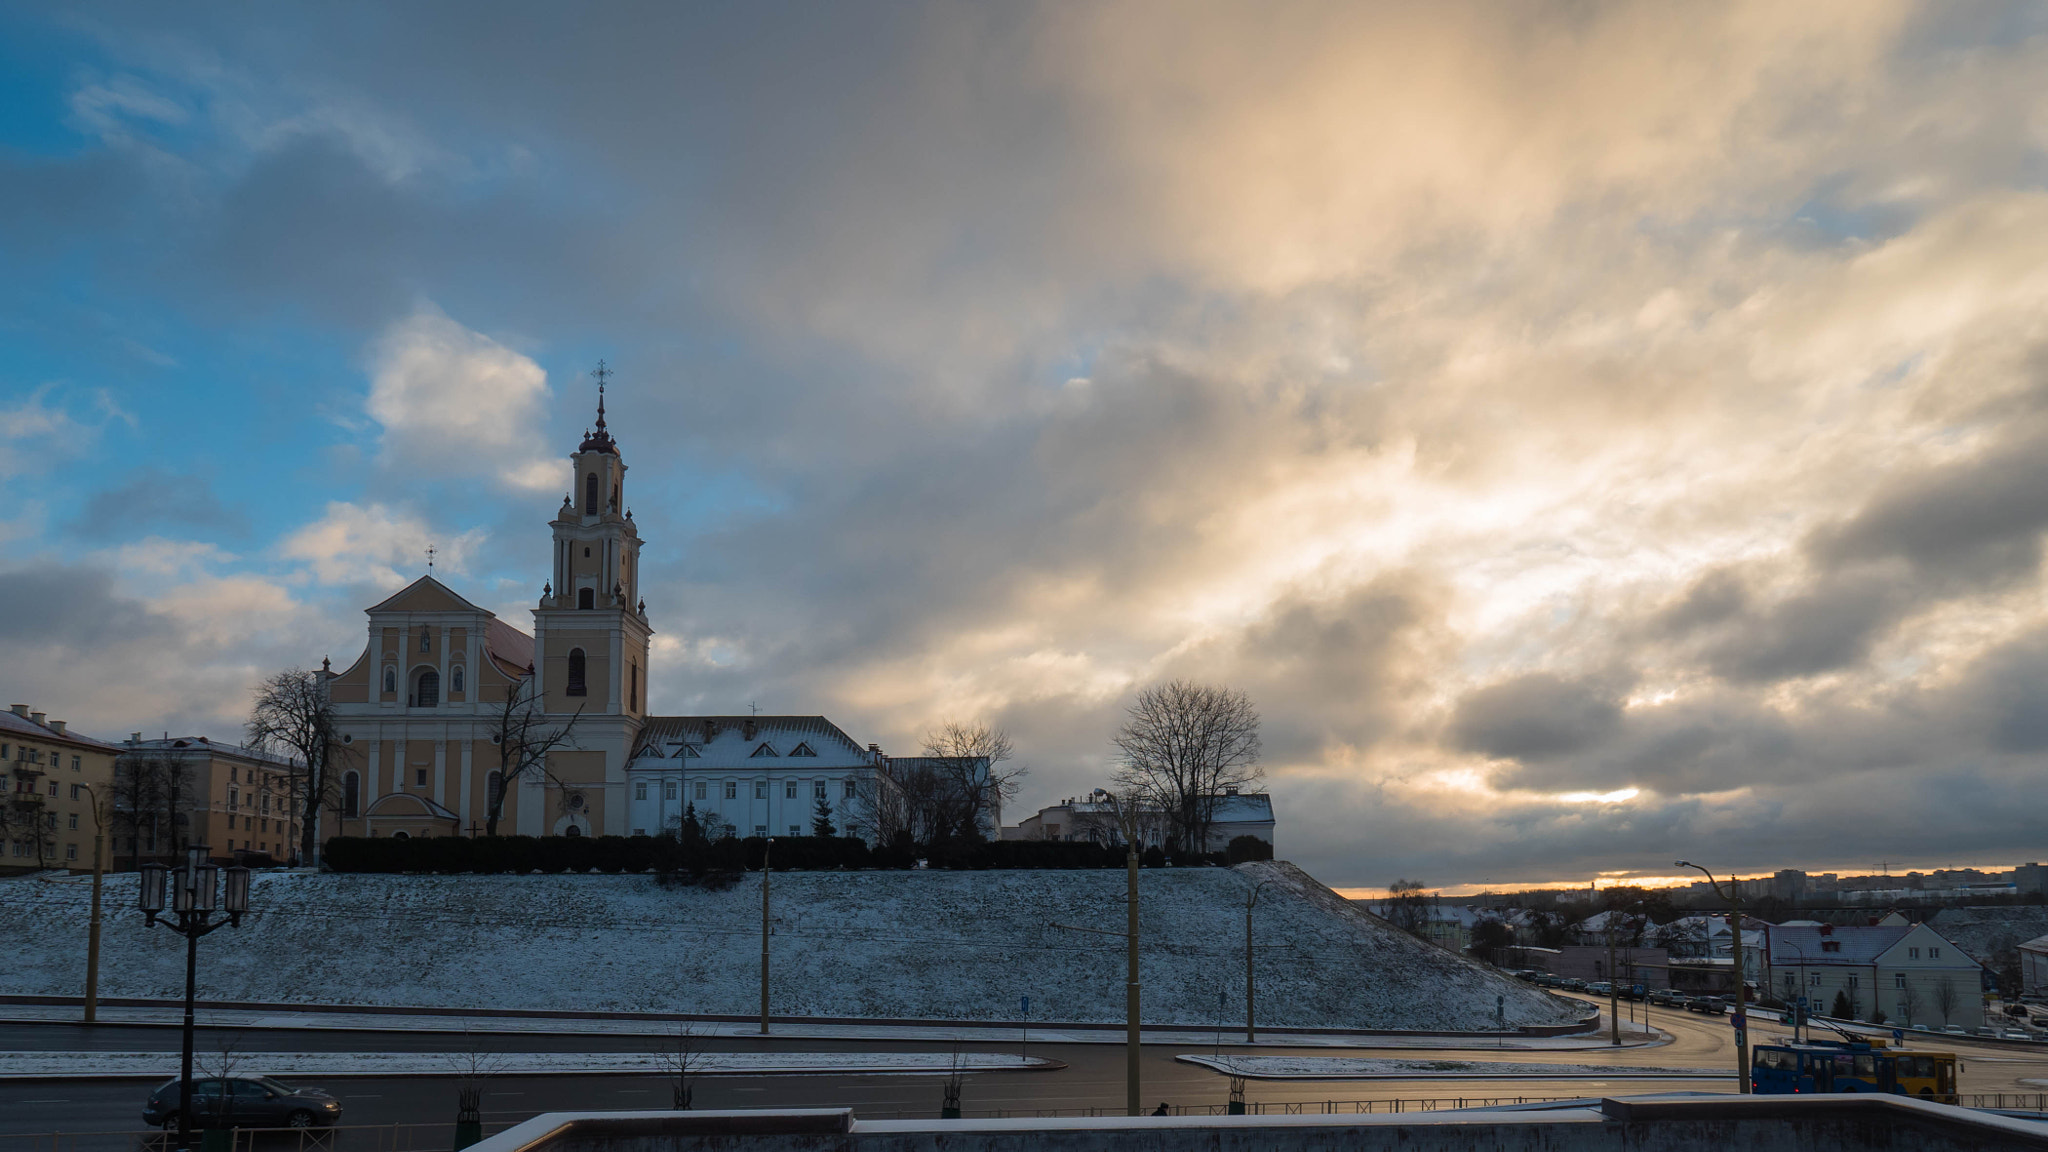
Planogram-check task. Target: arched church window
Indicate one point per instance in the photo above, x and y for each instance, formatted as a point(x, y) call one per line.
point(590, 494)
point(577, 685)
point(426, 688)
point(572, 830)
point(586, 598)
point(494, 788)
point(633, 693)
point(455, 679)
point(391, 679)
point(351, 796)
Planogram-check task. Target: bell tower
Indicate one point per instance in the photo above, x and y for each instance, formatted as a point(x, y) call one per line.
point(591, 625)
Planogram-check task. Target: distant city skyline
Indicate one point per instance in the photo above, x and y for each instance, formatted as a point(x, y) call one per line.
point(1589, 435)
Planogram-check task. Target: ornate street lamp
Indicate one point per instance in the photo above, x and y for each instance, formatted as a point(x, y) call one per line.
point(195, 899)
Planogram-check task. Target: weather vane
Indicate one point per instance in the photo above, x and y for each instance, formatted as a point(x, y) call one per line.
point(430, 556)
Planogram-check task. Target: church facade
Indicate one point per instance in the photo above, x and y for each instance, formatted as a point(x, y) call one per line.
point(424, 715)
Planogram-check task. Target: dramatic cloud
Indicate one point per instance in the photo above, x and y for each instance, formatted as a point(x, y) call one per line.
point(1585, 431)
point(453, 402)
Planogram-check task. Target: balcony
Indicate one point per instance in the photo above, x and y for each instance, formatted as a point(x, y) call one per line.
point(23, 770)
point(29, 799)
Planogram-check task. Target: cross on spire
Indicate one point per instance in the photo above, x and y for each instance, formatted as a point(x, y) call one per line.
point(601, 439)
point(430, 556)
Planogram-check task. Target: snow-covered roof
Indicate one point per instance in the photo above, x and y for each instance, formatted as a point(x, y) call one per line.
point(1853, 945)
point(752, 741)
point(1243, 808)
point(23, 728)
point(200, 744)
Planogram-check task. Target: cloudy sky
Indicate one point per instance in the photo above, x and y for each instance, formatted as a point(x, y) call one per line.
point(1590, 433)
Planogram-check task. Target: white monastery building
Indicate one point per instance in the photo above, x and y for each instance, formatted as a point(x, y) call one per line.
point(422, 714)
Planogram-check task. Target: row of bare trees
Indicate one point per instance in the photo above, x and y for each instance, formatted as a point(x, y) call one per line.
point(954, 791)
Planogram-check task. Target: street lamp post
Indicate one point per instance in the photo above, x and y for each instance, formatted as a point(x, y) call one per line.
point(1741, 977)
point(1250, 901)
point(92, 931)
point(198, 904)
point(765, 849)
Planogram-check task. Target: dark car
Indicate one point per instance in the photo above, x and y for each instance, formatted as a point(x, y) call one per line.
point(243, 1102)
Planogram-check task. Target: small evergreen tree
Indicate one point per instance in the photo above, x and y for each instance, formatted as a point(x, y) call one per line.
point(821, 819)
point(1843, 1009)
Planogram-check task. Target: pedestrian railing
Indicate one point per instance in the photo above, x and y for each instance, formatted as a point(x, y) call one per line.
point(341, 1138)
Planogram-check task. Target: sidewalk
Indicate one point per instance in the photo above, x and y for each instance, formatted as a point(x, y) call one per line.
point(164, 1065)
point(343, 1021)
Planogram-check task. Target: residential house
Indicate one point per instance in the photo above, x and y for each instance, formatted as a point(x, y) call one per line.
point(182, 792)
point(1907, 971)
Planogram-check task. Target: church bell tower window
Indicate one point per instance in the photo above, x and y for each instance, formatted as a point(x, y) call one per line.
point(577, 685)
point(587, 598)
point(590, 494)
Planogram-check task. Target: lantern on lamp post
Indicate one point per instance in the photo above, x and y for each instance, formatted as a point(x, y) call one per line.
point(197, 906)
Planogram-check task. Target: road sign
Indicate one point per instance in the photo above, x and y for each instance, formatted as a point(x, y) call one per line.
point(1898, 1034)
point(1739, 1021)
point(1026, 1003)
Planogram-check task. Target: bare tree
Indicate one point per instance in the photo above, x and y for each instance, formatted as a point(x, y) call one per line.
point(525, 738)
point(1183, 746)
point(25, 821)
point(1946, 999)
point(1407, 907)
point(1909, 1000)
point(683, 1057)
point(294, 718)
point(136, 799)
point(972, 774)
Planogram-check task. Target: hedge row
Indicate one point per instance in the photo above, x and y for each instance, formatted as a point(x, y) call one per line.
point(668, 854)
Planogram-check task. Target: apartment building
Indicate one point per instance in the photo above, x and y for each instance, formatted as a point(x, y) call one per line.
point(52, 778)
point(178, 792)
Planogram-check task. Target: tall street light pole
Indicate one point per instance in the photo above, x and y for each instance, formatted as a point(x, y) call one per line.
point(765, 849)
point(1741, 977)
point(1126, 813)
point(1250, 901)
point(92, 931)
point(197, 904)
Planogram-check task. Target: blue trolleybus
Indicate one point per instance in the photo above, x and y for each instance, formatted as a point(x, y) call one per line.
point(1839, 1066)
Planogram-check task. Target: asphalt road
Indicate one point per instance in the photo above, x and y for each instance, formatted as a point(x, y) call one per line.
point(1094, 1078)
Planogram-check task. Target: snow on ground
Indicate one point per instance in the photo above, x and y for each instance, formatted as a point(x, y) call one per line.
point(921, 945)
point(296, 1065)
point(1367, 1068)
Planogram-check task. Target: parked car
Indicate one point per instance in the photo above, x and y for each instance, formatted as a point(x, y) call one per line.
point(243, 1102)
point(1600, 988)
point(2014, 1034)
point(1666, 998)
point(1956, 1030)
point(1710, 1005)
point(1549, 982)
point(2019, 1010)
point(1575, 985)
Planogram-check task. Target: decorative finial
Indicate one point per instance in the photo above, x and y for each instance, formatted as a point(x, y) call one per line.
point(547, 589)
point(430, 557)
point(599, 439)
point(326, 665)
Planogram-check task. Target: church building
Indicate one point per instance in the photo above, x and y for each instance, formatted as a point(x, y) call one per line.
point(424, 716)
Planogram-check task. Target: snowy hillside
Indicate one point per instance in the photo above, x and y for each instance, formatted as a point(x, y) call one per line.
point(928, 945)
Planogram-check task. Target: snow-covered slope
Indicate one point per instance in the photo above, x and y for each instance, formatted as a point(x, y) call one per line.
point(927, 945)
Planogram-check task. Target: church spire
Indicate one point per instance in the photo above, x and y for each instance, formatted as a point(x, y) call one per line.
point(600, 440)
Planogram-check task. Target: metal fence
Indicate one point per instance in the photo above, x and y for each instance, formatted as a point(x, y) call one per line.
point(341, 1138)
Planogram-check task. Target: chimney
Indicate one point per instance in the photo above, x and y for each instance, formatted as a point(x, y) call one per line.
point(135, 737)
point(36, 717)
point(57, 726)
point(20, 710)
